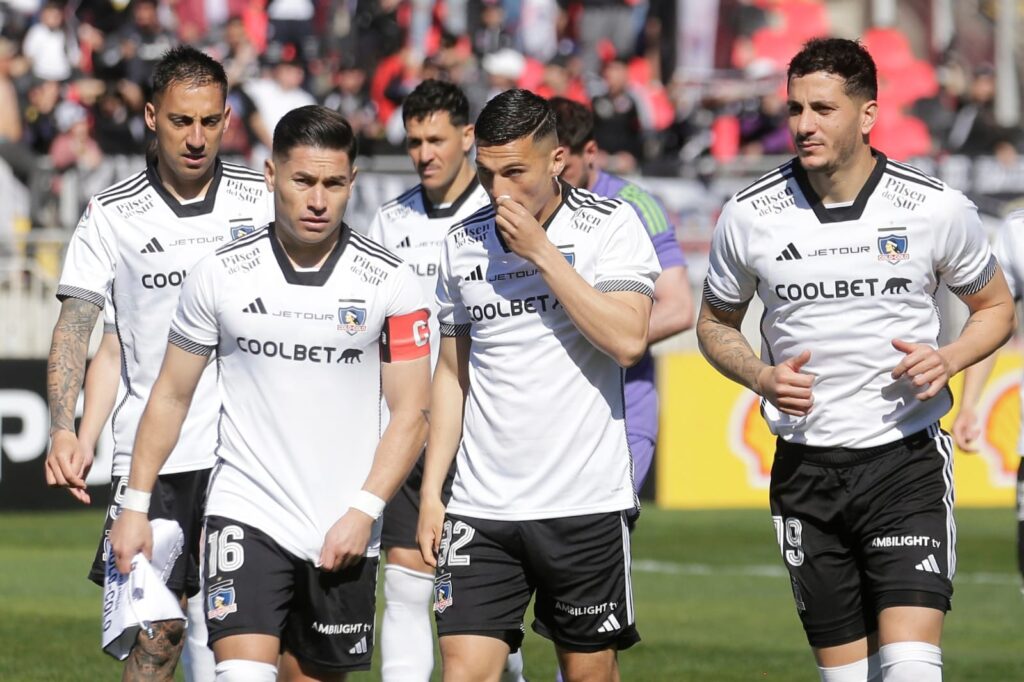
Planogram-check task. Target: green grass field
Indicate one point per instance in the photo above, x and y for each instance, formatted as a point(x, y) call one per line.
point(713, 602)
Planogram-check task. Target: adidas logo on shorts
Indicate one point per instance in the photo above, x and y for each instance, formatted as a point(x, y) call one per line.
point(929, 565)
point(359, 648)
point(611, 624)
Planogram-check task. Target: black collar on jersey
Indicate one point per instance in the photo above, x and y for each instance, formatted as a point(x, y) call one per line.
point(186, 210)
point(309, 278)
point(563, 190)
point(841, 214)
point(451, 209)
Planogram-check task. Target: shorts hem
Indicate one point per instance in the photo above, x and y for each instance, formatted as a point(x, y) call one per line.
point(393, 543)
point(512, 635)
point(329, 667)
point(930, 599)
point(621, 642)
point(838, 638)
point(217, 635)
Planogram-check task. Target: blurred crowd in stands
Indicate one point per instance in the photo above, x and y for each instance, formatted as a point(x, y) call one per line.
point(74, 74)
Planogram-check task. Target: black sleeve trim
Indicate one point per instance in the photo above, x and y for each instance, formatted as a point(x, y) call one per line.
point(64, 291)
point(455, 329)
point(717, 303)
point(625, 285)
point(979, 282)
point(190, 346)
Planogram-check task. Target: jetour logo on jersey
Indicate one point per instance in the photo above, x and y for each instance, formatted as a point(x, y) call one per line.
point(352, 319)
point(893, 247)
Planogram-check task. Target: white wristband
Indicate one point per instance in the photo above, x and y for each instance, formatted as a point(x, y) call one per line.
point(135, 500)
point(368, 503)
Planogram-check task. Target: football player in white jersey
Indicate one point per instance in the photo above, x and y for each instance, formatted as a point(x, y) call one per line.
point(846, 249)
point(312, 324)
point(439, 139)
point(133, 246)
point(1009, 251)
point(543, 297)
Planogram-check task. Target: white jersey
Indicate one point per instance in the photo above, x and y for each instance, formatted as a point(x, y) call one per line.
point(299, 356)
point(1009, 251)
point(843, 282)
point(543, 433)
point(135, 243)
point(414, 229)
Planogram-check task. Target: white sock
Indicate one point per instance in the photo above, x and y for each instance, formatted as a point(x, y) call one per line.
point(406, 638)
point(513, 671)
point(238, 670)
point(196, 657)
point(865, 670)
point(911, 662)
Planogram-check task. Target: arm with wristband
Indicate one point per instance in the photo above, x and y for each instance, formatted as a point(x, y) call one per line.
point(157, 435)
point(405, 383)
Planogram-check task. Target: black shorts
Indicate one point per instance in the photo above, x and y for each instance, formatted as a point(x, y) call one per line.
point(402, 515)
point(254, 586)
point(865, 529)
point(579, 566)
point(179, 497)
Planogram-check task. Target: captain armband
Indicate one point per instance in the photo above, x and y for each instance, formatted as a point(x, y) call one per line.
point(405, 337)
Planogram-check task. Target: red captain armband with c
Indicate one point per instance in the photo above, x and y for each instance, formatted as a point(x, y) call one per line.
point(405, 337)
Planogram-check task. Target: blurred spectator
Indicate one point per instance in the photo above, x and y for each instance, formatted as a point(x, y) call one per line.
point(291, 22)
point(237, 53)
point(616, 121)
point(939, 111)
point(138, 46)
point(247, 128)
point(560, 82)
point(74, 146)
point(492, 35)
point(377, 31)
point(47, 46)
point(540, 24)
point(350, 97)
point(975, 131)
point(606, 21)
point(118, 130)
point(504, 68)
point(41, 124)
point(764, 120)
point(276, 94)
point(12, 149)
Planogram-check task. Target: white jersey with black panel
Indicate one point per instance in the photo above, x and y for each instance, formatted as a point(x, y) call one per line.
point(414, 229)
point(842, 283)
point(1009, 251)
point(299, 356)
point(543, 434)
point(135, 243)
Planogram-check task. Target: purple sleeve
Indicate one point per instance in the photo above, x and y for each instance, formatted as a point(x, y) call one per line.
point(669, 253)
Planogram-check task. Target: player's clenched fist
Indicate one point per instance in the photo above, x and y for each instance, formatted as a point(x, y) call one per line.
point(787, 387)
point(130, 534)
point(346, 541)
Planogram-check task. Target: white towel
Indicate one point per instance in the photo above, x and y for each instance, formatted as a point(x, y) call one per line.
point(133, 602)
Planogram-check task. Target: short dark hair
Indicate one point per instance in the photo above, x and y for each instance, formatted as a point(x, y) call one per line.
point(314, 126)
point(574, 123)
point(512, 115)
point(185, 64)
point(433, 96)
point(844, 58)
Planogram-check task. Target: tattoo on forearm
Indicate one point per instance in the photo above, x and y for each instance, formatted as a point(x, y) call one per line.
point(154, 659)
point(728, 351)
point(65, 369)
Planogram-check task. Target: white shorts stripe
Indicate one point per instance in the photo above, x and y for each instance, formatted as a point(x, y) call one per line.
point(944, 445)
point(627, 560)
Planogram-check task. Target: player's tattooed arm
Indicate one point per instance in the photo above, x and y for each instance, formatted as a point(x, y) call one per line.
point(725, 347)
point(156, 658)
point(66, 366)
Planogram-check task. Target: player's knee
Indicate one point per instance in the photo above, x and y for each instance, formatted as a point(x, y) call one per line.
point(591, 667)
point(238, 670)
point(911, 662)
point(864, 670)
point(407, 587)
